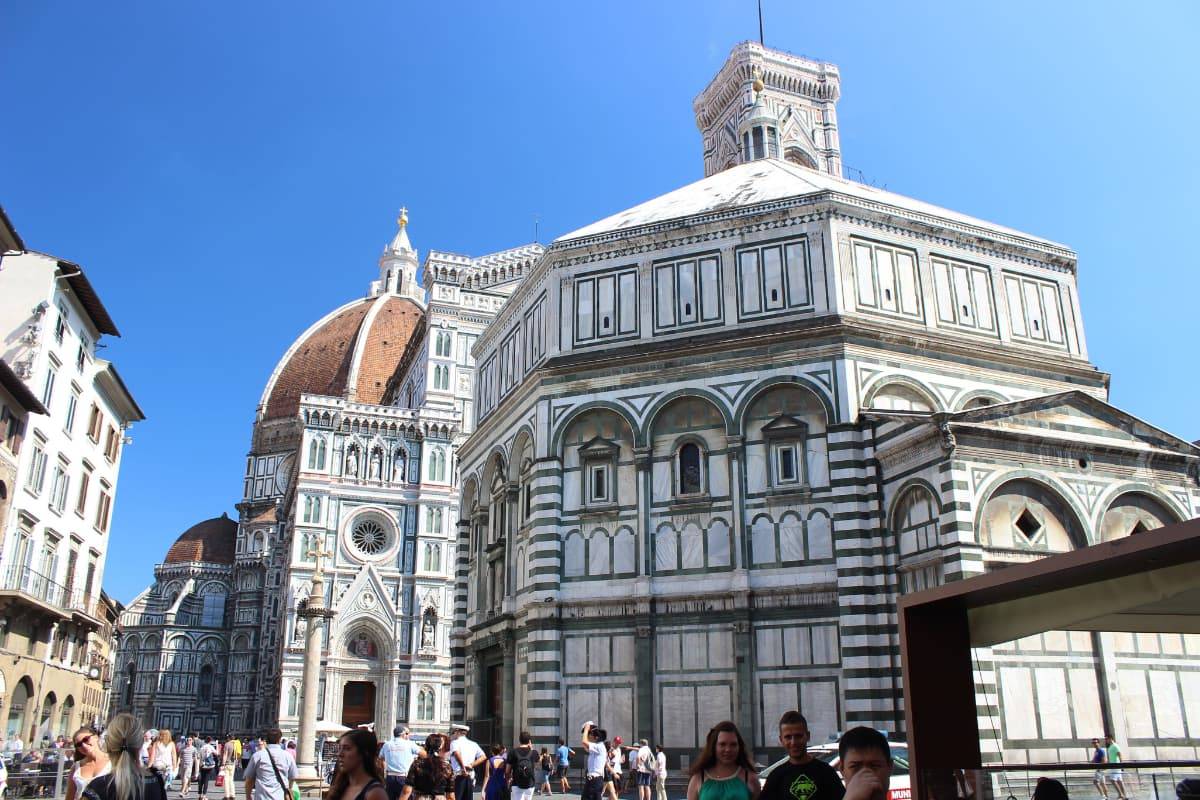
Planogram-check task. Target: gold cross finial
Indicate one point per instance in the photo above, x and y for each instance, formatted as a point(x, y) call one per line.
point(318, 555)
point(403, 220)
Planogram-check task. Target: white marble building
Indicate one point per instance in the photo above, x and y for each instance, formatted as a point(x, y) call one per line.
point(720, 432)
point(352, 454)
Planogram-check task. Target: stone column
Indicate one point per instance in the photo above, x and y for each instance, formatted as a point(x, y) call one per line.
point(316, 613)
point(509, 675)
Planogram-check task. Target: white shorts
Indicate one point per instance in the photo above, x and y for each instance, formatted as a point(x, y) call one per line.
point(1115, 775)
point(522, 794)
point(1098, 776)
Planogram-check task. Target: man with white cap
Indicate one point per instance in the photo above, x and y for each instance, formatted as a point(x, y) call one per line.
point(465, 755)
point(398, 754)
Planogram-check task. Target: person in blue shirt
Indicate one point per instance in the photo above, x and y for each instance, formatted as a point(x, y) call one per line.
point(564, 763)
point(398, 753)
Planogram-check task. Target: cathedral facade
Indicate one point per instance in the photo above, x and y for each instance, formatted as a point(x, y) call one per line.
point(678, 467)
point(352, 460)
point(721, 432)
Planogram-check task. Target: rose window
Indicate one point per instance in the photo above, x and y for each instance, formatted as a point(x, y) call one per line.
point(369, 537)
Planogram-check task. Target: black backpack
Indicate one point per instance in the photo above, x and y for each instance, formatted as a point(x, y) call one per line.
point(523, 769)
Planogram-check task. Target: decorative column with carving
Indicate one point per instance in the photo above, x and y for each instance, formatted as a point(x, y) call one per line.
point(508, 648)
point(316, 614)
point(744, 688)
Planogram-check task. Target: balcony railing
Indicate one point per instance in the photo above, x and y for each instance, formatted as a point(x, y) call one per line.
point(31, 583)
point(24, 580)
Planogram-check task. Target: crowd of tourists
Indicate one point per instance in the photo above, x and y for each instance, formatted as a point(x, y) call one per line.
point(130, 763)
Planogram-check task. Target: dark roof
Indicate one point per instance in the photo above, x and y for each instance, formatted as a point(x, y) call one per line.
point(212, 541)
point(17, 388)
point(88, 297)
point(9, 238)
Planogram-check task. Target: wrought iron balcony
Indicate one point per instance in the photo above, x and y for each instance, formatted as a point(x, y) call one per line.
point(37, 592)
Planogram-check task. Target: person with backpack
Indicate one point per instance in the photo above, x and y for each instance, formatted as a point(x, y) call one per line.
point(520, 767)
point(545, 770)
point(208, 765)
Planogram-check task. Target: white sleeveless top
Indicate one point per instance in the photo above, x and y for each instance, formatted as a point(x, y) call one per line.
point(81, 782)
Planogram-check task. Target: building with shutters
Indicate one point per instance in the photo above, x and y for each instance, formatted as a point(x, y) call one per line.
point(64, 415)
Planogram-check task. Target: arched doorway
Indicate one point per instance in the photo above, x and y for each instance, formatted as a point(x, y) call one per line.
point(19, 707)
point(48, 717)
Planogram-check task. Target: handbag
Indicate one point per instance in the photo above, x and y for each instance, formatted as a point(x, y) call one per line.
point(220, 779)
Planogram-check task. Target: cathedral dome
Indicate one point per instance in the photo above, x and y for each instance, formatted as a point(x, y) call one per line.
point(212, 541)
point(350, 353)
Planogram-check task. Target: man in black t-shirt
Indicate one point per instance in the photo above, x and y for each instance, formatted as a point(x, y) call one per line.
point(803, 777)
point(519, 768)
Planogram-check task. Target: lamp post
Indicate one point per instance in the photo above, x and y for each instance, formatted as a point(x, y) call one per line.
point(315, 612)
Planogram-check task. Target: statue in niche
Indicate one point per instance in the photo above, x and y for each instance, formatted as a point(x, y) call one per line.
point(352, 463)
point(376, 464)
point(427, 631)
point(301, 628)
point(398, 466)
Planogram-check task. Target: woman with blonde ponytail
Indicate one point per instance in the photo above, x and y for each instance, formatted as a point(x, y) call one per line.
point(128, 780)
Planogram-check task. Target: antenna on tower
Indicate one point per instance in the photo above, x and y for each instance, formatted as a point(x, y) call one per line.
point(536, 219)
point(760, 25)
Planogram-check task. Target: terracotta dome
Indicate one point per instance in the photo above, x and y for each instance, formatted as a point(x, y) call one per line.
point(350, 353)
point(213, 541)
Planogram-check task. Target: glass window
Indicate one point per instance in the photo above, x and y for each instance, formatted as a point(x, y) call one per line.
point(689, 469)
point(72, 405)
point(48, 387)
point(796, 256)
point(757, 137)
point(598, 483)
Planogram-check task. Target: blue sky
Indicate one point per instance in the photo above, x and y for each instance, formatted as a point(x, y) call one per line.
point(229, 172)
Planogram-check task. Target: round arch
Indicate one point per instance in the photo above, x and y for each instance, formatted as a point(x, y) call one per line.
point(523, 438)
point(765, 385)
point(470, 495)
point(884, 381)
point(974, 395)
point(660, 403)
point(495, 464)
point(903, 490)
point(373, 629)
point(560, 431)
point(1047, 483)
point(1135, 508)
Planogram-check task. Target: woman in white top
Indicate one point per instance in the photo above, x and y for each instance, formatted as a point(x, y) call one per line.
point(164, 758)
point(90, 761)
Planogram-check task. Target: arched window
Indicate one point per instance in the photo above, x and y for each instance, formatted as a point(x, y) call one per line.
point(433, 521)
point(213, 613)
point(316, 454)
point(64, 722)
point(204, 695)
point(425, 701)
point(689, 477)
point(433, 557)
point(437, 465)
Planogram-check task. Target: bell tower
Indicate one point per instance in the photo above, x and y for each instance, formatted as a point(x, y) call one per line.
point(758, 86)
